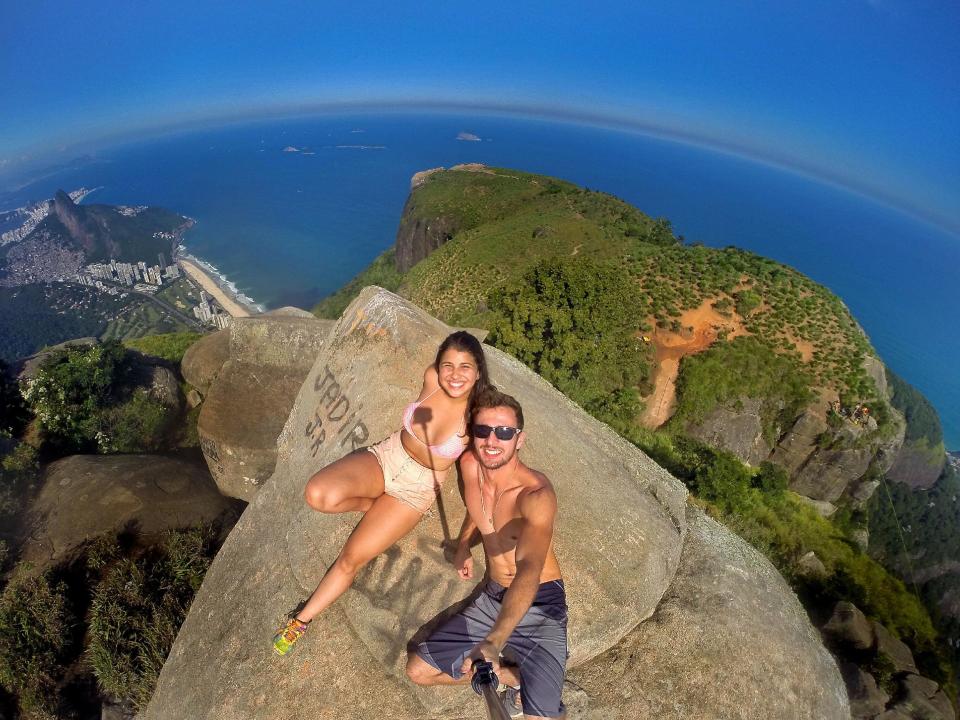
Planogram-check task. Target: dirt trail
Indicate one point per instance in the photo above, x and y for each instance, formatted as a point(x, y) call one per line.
point(671, 347)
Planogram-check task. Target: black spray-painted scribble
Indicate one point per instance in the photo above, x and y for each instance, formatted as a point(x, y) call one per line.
point(404, 585)
point(333, 412)
point(209, 448)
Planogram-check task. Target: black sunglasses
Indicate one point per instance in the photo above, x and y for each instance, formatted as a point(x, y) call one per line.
point(503, 432)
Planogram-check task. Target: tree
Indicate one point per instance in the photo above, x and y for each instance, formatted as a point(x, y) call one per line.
point(575, 323)
point(13, 413)
point(71, 388)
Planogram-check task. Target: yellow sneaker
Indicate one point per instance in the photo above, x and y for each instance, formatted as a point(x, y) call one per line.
point(288, 635)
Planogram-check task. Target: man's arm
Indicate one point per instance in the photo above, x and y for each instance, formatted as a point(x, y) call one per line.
point(538, 510)
point(462, 557)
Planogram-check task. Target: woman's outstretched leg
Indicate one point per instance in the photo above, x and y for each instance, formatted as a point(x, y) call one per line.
point(387, 520)
point(350, 484)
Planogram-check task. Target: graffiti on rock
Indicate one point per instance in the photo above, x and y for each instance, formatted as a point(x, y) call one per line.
point(334, 416)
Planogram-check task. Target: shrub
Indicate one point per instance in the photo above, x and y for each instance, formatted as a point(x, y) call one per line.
point(575, 323)
point(71, 388)
point(138, 425)
point(167, 346)
point(18, 472)
point(138, 608)
point(34, 638)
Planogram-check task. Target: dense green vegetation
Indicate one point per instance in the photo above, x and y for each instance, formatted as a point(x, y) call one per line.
point(35, 316)
point(574, 324)
point(83, 400)
point(755, 503)
point(744, 367)
point(167, 346)
point(138, 608)
point(35, 639)
point(781, 307)
point(114, 611)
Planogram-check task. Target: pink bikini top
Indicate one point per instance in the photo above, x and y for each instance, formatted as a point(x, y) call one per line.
point(451, 448)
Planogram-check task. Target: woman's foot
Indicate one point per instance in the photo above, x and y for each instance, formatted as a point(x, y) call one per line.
point(287, 636)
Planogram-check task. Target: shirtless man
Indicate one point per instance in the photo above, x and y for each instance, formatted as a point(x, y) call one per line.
point(521, 613)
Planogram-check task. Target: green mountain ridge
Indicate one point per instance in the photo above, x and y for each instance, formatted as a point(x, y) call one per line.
point(490, 227)
point(509, 251)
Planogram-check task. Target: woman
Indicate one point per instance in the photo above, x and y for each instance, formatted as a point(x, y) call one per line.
point(395, 481)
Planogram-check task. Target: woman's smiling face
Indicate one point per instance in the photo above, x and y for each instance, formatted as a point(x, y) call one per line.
point(457, 372)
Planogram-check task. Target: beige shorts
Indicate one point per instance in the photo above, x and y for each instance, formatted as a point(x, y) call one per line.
point(403, 477)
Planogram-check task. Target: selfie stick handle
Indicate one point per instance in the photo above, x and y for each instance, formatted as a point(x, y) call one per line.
point(484, 683)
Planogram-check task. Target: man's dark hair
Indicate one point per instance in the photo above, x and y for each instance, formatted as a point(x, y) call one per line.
point(492, 398)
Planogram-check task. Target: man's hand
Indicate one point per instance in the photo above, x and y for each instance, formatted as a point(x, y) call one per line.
point(463, 562)
point(484, 650)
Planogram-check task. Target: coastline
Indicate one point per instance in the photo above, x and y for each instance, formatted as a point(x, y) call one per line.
point(217, 287)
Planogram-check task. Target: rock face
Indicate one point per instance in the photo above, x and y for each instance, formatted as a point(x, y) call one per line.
point(418, 237)
point(849, 629)
point(821, 471)
point(918, 465)
point(72, 217)
point(738, 430)
point(826, 473)
point(863, 642)
point(619, 537)
point(620, 533)
point(202, 361)
point(866, 699)
point(728, 640)
point(86, 495)
point(250, 374)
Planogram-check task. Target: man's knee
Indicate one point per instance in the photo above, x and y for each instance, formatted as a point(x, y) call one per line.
point(420, 671)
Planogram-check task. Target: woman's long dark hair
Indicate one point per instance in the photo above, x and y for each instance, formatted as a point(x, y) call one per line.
point(465, 342)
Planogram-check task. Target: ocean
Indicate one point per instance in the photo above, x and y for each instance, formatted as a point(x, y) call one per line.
point(289, 210)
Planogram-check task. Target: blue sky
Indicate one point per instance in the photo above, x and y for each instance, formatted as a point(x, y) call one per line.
point(864, 92)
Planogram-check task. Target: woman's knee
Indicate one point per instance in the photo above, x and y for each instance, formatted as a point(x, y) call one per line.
point(350, 563)
point(320, 496)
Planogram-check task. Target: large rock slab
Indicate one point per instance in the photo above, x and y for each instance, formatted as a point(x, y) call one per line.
point(202, 361)
point(619, 536)
point(250, 374)
point(918, 465)
point(728, 640)
point(239, 422)
point(738, 429)
point(86, 495)
point(866, 699)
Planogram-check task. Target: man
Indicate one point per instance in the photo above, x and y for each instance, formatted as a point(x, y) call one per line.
point(521, 613)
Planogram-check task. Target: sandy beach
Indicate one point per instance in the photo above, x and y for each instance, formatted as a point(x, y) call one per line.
point(197, 274)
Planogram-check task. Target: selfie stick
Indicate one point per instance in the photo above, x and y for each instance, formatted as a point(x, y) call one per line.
point(484, 683)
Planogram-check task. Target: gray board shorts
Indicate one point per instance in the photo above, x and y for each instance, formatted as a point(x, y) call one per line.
point(537, 646)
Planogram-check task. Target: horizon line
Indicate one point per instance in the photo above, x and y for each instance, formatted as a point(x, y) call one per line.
point(609, 121)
